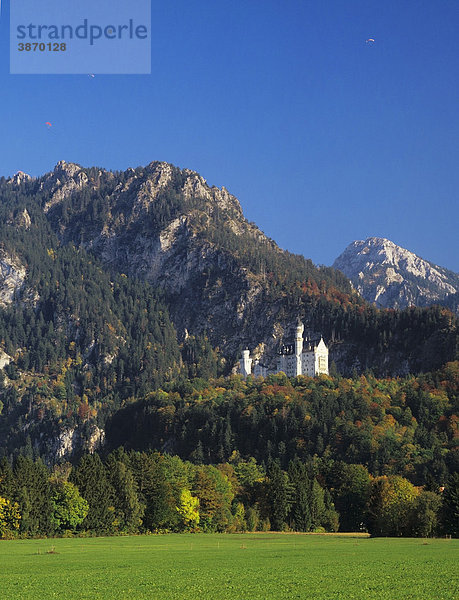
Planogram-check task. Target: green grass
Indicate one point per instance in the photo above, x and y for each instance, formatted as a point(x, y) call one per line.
point(241, 567)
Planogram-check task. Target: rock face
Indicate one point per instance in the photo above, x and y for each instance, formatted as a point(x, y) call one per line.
point(393, 277)
point(72, 441)
point(23, 220)
point(12, 277)
point(4, 359)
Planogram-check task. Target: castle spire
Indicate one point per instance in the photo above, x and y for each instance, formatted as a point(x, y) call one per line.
point(298, 347)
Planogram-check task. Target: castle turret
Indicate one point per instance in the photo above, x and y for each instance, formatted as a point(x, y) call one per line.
point(321, 358)
point(245, 363)
point(298, 347)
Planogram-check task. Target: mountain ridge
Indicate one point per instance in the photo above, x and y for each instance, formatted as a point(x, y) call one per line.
point(394, 277)
point(222, 277)
point(168, 227)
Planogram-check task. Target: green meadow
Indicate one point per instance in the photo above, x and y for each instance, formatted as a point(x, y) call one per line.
point(243, 567)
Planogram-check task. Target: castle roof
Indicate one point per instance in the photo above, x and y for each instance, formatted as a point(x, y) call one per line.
point(309, 346)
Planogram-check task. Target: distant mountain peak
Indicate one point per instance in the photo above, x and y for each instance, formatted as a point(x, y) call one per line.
point(393, 277)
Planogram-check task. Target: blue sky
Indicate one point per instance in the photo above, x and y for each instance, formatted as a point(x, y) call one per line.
point(323, 138)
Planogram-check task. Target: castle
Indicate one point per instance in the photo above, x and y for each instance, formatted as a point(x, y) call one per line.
point(303, 357)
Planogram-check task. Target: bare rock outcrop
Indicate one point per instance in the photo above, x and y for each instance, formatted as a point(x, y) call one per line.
point(12, 277)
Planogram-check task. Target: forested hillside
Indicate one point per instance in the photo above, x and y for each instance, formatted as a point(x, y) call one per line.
point(114, 285)
point(78, 341)
point(405, 427)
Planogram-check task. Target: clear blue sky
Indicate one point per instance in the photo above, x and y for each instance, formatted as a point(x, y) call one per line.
point(323, 138)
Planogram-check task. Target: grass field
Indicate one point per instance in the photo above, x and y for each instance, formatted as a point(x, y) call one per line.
point(241, 567)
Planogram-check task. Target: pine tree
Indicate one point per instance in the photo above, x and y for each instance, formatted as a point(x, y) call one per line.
point(279, 496)
point(6, 479)
point(90, 477)
point(450, 510)
point(128, 508)
point(300, 512)
point(317, 504)
point(155, 491)
point(33, 494)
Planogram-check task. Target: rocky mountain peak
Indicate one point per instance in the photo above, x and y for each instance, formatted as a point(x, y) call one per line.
point(66, 168)
point(160, 173)
point(393, 277)
point(63, 181)
point(19, 177)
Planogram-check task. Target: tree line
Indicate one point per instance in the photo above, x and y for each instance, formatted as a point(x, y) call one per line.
point(149, 492)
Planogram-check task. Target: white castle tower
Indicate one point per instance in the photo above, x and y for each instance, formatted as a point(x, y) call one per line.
point(298, 348)
point(245, 363)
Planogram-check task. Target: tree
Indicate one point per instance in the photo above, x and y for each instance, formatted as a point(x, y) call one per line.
point(330, 520)
point(215, 495)
point(391, 506)
point(128, 508)
point(450, 509)
point(10, 517)
point(70, 509)
point(249, 475)
point(252, 518)
point(155, 491)
point(188, 509)
point(351, 485)
point(6, 479)
point(33, 494)
point(424, 521)
point(318, 509)
point(91, 479)
point(197, 455)
point(278, 496)
point(300, 511)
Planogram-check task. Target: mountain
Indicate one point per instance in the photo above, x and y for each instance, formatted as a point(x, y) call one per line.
point(393, 277)
point(114, 284)
point(222, 276)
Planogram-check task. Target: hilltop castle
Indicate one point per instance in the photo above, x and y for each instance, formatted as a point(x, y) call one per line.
point(303, 357)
